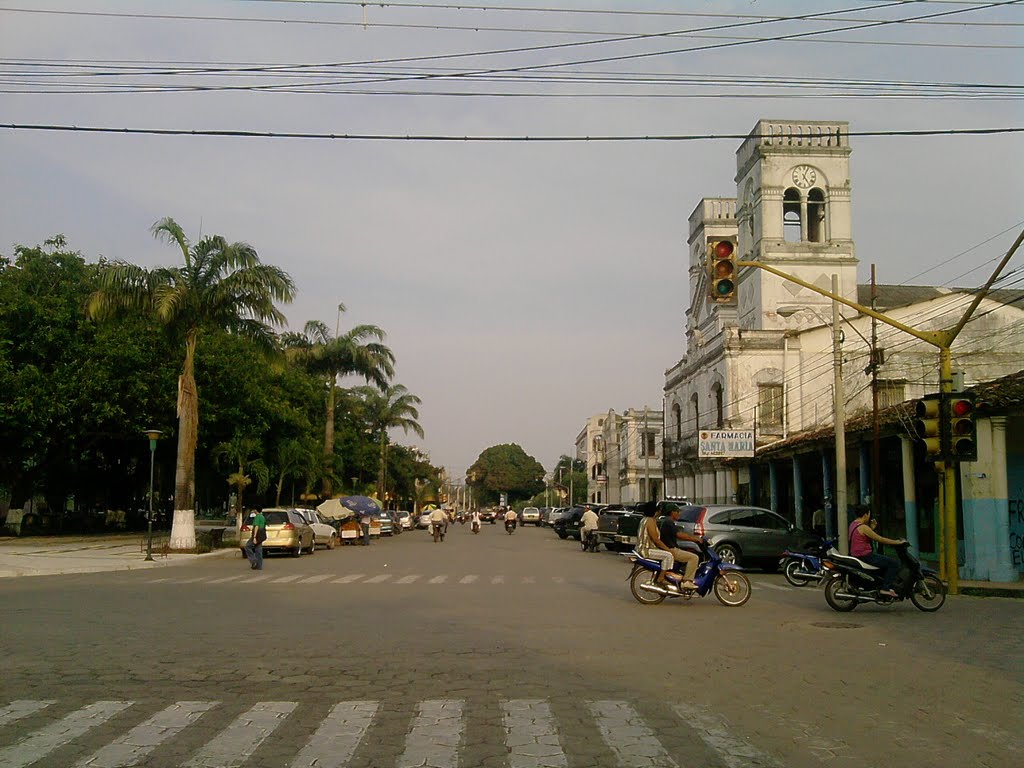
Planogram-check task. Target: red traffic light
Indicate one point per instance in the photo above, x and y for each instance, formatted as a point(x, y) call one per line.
point(724, 249)
point(962, 407)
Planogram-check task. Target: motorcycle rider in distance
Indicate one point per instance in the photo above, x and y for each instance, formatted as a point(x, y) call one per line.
point(861, 534)
point(511, 517)
point(671, 535)
point(650, 546)
point(440, 519)
point(588, 522)
point(475, 521)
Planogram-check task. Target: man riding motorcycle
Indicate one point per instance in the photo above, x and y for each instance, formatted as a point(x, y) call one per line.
point(588, 523)
point(438, 523)
point(511, 519)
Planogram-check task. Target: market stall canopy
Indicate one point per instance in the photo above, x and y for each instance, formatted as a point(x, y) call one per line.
point(348, 506)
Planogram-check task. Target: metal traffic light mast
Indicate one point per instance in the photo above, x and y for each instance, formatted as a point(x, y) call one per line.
point(945, 463)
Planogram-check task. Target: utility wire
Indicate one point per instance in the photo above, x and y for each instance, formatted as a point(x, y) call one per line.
point(480, 139)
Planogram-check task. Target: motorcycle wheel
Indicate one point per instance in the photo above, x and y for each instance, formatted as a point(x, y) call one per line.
point(642, 596)
point(732, 589)
point(929, 594)
point(832, 588)
point(792, 574)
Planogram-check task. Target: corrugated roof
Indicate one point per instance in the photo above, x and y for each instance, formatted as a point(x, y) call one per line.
point(892, 296)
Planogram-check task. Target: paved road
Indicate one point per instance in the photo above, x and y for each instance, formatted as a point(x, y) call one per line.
point(492, 650)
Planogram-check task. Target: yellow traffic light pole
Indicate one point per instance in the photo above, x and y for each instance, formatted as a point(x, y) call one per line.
point(943, 340)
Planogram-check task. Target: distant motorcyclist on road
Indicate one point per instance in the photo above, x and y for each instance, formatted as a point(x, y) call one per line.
point(438, 523)
point(588, 522)
point(511, 519)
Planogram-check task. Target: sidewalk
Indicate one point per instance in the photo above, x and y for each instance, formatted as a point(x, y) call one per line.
point(53, 555)
point(992, 588)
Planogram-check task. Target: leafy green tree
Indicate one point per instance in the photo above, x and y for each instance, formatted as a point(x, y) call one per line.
point(395, 408)
point(505, 468)
point(220, 285)
point(360, 352)
point(241, 451)
point(570, 475)
point(295, 458)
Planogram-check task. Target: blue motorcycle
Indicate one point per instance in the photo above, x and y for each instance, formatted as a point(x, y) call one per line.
point(801, 568)
point(730, 585)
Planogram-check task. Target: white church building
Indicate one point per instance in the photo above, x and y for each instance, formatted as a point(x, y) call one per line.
point(764, 360)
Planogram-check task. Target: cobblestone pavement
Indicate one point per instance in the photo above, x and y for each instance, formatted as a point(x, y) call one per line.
point(491, 650)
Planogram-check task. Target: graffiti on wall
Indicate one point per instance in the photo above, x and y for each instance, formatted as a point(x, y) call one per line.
point(1017, 528)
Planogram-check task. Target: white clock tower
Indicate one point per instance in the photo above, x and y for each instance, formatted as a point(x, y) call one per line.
point(793, 212)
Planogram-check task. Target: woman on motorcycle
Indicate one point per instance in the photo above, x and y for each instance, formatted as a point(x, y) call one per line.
point(861, 535)
point(650, 546)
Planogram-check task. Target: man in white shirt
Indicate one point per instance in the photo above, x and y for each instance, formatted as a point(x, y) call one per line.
point(588, 522)
point(439, 519)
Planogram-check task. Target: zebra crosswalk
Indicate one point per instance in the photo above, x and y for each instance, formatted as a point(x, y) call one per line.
point(433, 733)
point(268, 579)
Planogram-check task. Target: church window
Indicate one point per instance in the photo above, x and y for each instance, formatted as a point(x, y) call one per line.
point(792, 216)
point(696, 412)
point(769, 406)
point(816, 216)
point(719, 413)
point(677, 414)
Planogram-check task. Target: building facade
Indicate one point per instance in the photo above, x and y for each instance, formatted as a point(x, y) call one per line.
point(623, 456)
point(765, 361)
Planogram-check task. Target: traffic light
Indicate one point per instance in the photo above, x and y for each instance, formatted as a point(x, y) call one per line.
point(963, 432)
point(722, 269)
point(929, 426)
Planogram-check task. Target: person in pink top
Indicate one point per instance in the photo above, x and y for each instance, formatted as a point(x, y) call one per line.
point(862, 533)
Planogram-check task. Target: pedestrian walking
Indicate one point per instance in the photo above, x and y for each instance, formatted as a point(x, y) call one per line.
point(254, 547)
point(365, 522)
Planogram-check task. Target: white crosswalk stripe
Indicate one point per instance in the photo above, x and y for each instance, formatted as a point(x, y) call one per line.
point(22, 708)
point(38, 745)
point(233, 746)
point(285, 579)
point(735, 752)
point(134, 746)
point(772, 586)
point(530, 736)
point(628, 736)
point(436, 733)
point(349, 579)
point(497, 580)
point(380, 577)
point(408, 579)
point(338, 735)
point(468, 579)
point(438, 580)
point(317, 579)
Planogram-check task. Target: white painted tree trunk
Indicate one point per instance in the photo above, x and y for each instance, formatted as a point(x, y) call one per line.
point(183, 529)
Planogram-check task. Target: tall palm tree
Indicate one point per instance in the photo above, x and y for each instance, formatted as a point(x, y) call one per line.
point(393, 408)
point(219, 285)
point(293, 458)
point(358, 352)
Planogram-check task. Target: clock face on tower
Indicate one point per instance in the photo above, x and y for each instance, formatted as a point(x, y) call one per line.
point(804, 176)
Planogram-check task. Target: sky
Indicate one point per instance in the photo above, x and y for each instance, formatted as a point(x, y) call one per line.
point(524, 286)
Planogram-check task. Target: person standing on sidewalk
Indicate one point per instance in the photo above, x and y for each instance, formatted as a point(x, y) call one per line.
point(254, 547)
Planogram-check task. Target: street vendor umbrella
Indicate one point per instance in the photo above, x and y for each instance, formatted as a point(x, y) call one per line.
point(333, 510)
point(360, 504)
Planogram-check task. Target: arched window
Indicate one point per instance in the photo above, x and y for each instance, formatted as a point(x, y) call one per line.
point(716, 390)
point(696, 412)
point(792, 216)
point(677, 415)
point(816, 216)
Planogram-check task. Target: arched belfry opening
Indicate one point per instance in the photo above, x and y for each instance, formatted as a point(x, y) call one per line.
point(792, 216)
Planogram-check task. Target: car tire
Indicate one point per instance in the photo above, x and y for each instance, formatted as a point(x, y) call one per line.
point(331, 542)
point(312, 546)
point(297, 551)
point(729, 553)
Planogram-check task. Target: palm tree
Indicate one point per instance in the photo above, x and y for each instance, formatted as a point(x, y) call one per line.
point(358, 352)
point(293, 458)
point(394, 408)
point(240, 451)
point(220, 285)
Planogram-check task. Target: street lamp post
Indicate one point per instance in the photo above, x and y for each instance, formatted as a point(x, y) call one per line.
point(153, 435)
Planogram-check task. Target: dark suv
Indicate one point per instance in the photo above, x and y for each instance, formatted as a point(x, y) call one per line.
point(740, 533)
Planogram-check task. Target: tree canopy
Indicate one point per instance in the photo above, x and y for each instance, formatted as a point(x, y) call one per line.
point(505, 468)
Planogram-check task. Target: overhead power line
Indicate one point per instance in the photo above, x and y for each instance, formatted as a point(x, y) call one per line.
point(477, 139)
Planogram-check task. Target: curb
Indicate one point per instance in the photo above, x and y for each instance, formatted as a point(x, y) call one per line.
point(992, 592)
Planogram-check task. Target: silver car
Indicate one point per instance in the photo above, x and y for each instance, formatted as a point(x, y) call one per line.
point(741, 533)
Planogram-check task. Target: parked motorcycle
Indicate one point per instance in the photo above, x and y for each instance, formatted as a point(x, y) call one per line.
point(850, 582)
point(510, 526)
point(590, 542)
point(438, 530)
point(730, 585)
point(801, 568)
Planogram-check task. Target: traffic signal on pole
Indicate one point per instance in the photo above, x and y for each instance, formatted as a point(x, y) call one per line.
point(929, 426)
point(963, 432)
point(722, 269)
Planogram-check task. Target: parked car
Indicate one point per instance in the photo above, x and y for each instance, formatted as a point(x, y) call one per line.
point(743, 534)
point(287, 530)
point(387, 524)
point(405, 518)
point(323, 534)
point(617, 527)
point(552, 515)
point(568, 524)
point(530, 515)
point(424, 520)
